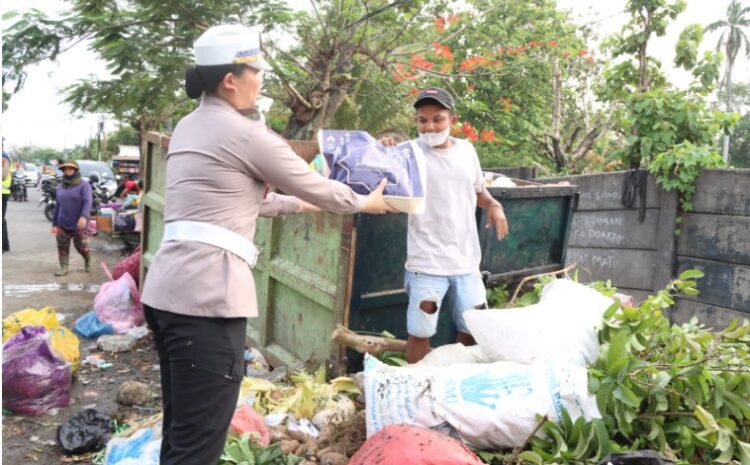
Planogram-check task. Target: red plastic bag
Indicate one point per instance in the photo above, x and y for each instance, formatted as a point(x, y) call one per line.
point(118, 303)
point(247, 420)
point(34, 379)
point(397, 445)
point(130, 264)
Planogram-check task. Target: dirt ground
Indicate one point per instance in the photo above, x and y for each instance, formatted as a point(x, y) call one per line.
point(28, 281)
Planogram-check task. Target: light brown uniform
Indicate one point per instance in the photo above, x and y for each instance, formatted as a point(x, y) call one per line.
point(218, 166)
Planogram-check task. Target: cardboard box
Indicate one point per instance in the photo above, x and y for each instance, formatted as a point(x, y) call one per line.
point(104, 224)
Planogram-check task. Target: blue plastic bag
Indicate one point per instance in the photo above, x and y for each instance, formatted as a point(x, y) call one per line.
point(88, 326)
point(361, 162)
point(142, 448)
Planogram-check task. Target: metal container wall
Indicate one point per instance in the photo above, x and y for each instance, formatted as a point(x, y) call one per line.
point(319, 270)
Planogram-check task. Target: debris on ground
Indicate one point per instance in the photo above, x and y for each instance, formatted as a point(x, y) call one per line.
point(133, 393)
point(87, 430)
point(116, 343)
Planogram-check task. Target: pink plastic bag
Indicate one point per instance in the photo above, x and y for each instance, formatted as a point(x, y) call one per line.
point(131, 264)
point(118, 303)
point(247, 420)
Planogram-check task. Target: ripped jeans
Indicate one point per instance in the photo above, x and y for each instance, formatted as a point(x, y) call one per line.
point(458, 293)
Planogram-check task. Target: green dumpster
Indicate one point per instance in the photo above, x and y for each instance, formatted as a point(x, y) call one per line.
point(320, 270)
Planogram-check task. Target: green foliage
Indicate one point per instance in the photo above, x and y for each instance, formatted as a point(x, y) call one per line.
point(41, 155)
point(679, 167)
point(739, 151)
point(681, 390)
point(243, 451)
point(687, 47)
point(147, 46)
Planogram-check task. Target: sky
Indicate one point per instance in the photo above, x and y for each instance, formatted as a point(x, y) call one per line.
point(36, 115)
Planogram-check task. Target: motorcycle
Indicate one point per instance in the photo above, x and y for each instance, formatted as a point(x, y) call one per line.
point(49, 197)
point(18, 190)
point(99, 193)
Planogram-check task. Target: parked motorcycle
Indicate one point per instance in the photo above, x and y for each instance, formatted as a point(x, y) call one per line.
point(49, 197)
point(100, 194)
point(18, 190)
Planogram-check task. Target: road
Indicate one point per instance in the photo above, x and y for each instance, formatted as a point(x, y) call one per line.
point(29, 282)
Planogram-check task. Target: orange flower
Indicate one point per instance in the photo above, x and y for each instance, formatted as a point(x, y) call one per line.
point(413, 92)
point(442, 51)
point(447, 68)
point(470, 132)
point(456, 130)
point(440, 23)
point(590, 59)
point(472, 63)
point(552, 43)
point(488, 135)
point(565, 54)
point(583, 52)
point(420, 62)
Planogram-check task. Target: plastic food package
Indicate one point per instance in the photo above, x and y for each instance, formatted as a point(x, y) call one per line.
point(563, 326)
point(401, 444)
point(487, 405)
point(118, 303)
point(88, 326)
point(142, 448)
point(87, 430)
point(13, 323)
point(247, 420)
point(34, 379)
point(358, 160)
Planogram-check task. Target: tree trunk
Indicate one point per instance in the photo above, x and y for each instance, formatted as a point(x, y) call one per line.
point(725, 148)
point(557, 116)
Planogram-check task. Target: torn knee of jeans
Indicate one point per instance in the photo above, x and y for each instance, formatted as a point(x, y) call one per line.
point(428, 306)
point(481, 306)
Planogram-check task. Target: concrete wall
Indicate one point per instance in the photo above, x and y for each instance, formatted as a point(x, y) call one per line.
point(716, 239)
point(608, 241)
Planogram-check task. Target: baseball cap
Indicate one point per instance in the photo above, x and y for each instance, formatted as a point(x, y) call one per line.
point(436, 94)
point(230, 43)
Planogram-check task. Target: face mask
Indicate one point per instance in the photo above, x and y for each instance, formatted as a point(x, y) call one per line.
point(433, 139)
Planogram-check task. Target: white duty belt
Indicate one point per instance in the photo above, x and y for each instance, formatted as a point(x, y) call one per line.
point(212, 235)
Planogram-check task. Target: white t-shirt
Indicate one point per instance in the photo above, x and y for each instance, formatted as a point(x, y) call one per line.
point(444, 239)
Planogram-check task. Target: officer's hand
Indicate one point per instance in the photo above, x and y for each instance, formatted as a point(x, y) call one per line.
point(388, 141)
point(374, 203)
point(55, 230)
point(496, 217)
point(81, 223)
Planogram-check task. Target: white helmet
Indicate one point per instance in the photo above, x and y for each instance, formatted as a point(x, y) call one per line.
point(230, 43)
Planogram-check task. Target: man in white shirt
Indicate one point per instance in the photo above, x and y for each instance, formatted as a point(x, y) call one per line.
point(443, 253)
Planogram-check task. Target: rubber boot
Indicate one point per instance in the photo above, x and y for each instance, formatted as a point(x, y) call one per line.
point(87, 263)
point(63, 266)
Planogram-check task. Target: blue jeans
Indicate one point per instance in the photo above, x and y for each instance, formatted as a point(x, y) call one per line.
point(463, 292)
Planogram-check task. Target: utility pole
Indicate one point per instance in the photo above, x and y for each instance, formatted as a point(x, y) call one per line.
point(99, 139)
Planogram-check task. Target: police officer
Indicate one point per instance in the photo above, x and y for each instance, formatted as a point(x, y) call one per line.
point(7, 180)
point(199, 289)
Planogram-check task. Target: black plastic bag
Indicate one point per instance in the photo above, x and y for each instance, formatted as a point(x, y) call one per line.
point(87, 430)
point(639, 457)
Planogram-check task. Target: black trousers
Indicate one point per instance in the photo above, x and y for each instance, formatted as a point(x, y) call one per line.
point(6, 244)
point(202, 364)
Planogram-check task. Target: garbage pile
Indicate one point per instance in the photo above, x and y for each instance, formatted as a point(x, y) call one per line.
point(303, 415)
point(41, 358)
point(529, 362)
